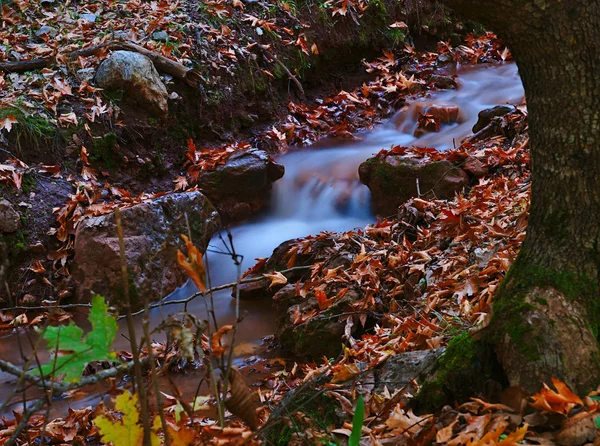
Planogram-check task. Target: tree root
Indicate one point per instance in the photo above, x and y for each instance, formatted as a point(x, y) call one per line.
point(168, 66)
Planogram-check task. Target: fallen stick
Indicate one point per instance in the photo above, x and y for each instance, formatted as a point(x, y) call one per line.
point(168, 66)
point(61, 387)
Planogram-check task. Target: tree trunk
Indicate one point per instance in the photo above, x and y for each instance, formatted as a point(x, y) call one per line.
point(547, 310)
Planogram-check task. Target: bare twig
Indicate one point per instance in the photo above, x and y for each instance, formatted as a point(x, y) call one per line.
point(12, 441)
point(163, 302)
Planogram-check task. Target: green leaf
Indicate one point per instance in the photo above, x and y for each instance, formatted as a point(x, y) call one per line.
point(357, 422)
point(597, 421)
point(74, 352)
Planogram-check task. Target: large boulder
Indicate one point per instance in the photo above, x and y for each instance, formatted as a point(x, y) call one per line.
point(394, 179)
point(135, 75)
point(240, 186)
point(10, 220)
point(152, 237)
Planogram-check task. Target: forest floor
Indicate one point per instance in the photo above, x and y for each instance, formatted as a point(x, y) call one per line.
point(428, 275)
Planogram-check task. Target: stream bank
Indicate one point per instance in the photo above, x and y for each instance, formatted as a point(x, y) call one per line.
point(85, 151)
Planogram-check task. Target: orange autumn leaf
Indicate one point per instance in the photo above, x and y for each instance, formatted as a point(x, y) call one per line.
point(322, 300)
point(215, 342)
point(514, 438)
point(560, 401)
point(344, 373)
point(182, 437)
point(192, 264)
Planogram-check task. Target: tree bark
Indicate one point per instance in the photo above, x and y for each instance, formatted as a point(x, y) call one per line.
point(547, 310)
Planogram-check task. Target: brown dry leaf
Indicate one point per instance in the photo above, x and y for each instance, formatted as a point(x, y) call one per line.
point(193, 267)
point(473, 431)
point(66, 119)
point(37, 267)
point(241, 401)
point(492, 407)
point(181, 183)
point(401, 421)
point(577, 430)
point(344, 373)
point(445, 434)
point(276, 279)
point(215, 342)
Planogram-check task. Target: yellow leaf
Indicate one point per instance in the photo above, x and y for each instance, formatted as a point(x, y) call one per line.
point(182, 436)
point(192, 264)
point(127, 431)
point(515, 437)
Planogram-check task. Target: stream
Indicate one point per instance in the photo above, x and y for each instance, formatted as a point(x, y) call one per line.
point(320, 191)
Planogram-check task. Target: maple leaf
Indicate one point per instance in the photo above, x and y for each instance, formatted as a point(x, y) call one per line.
point(182, 437)
point(180, 183)
point(7, 123)
point(276, 279)
point(193, 267)
point(74, 352)
point(127, 431)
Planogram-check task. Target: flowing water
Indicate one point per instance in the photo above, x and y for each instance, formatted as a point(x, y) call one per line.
point(321, 192)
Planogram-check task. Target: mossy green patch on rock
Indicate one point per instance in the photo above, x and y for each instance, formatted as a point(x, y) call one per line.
point(395, 179)
point(511, 305)
point(465, 360)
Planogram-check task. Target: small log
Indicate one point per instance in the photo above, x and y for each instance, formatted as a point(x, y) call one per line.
point(168, 66)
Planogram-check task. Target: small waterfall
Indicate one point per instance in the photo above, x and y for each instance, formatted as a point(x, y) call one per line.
point(321, 191)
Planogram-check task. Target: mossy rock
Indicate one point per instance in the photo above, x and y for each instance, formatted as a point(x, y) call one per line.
point(321, 335)
point(394, 179)
point(467, 368)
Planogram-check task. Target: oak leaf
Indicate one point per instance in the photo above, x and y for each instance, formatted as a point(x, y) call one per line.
point(74, 351)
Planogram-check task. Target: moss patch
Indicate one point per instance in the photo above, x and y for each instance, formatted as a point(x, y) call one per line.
point(510, 306)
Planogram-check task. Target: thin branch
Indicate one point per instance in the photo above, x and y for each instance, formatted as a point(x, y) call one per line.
point(59, 387)
point(164, 302)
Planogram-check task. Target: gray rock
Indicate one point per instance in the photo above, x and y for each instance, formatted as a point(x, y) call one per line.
point(486, 116)
point(152, 237)
point(392, 180)
point(46, 30)
point(244, 173)
point(10, 220)
point(160, 36)
point(135, 74)
point(398, 371)
point(88, 17)
point(443, 82)
point(241, 185)
point(321, 335)
point(445, 59)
